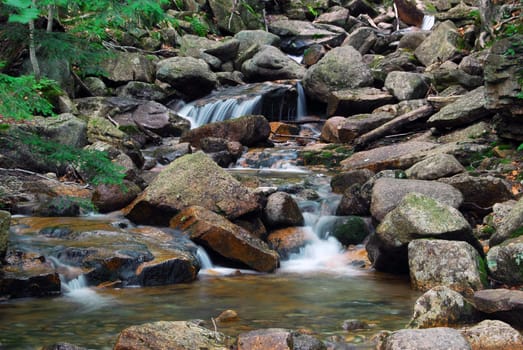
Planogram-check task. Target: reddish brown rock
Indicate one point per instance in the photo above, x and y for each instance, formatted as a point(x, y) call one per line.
point(225, 238)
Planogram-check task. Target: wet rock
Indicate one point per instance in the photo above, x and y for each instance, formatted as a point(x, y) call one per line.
point(400, 156)
point(26, 274)
point(453, 264)
point(142, 91)
point(416, 216)
point(188, 75)
point(352, 101)
point(277, 339)
point(58, 206)
point(354, 324)
point(248, 130)
point(493, 335)
point(426, 339)
point(180, 335)
point(510, 225)
point(289, 240)
point(435, 167)
point(340, 182)
point(388, 192)
point(346, 229)
point(5, 222)
point(216, 233)
point(193, 179)
point(126, 66)
point(330, 129)
point(505, 262)
point(282, 210)
point(465, 110)
point(271, 64)
point(228, 316)
point(107, 198)
point(297, 36)
point(177, 266)
point(407, 85)
point(440, 45)
point(442, 307)
point(482, 191)
point(341, 68)
point(354, 202)
point(502, 304)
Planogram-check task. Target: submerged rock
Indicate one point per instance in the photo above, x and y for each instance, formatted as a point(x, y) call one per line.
point(193, 179)
point(225, 238)
point(179, 335)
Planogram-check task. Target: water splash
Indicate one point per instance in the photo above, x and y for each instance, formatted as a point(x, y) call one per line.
point(203, 257)
point(301, 104)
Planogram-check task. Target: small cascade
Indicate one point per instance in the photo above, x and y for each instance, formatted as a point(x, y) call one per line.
point(301, 104)
point(74, 284)
point(203, 257)
point(275, 101)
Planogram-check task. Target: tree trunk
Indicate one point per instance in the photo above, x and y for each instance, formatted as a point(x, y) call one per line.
point(32, 48)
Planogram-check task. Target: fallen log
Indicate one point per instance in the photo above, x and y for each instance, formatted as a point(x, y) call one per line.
point(393, 125)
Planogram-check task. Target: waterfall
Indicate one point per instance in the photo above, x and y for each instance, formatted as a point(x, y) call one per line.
point(203, 257)
point(219, 110)
point(301, 104)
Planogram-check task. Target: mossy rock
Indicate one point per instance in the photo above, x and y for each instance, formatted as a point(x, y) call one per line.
point(351, 230)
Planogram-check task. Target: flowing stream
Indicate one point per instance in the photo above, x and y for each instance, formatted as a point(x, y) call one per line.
point(315, 289)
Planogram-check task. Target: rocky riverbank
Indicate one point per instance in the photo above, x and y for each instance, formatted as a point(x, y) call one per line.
point(419, 130)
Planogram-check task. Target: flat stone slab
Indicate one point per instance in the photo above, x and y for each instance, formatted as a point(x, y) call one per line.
point(502, 304)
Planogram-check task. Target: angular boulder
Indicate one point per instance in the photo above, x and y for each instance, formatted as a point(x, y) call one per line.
point(290, 240)
point(454, 264)
point(388, 192)
point(440, 45)
point(179, 335)
point(442, 307)
point(231, 241)
point(339, 69)
point(416, 216)
point(270, 63)
point(348, 102)
point(193, 179)
point(407, 85)
point(127, 66)
point(435, 167)
point(190, 76)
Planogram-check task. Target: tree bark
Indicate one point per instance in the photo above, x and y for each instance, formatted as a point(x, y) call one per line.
point(32, 48)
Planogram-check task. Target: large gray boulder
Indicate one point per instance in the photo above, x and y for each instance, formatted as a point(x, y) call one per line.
point(510, 225)
point(180, 335)
point(190, 76)
point(440, 45)
point(193, 179)
point(505, 262)
point(463, 111)
point(388, 192)
point(270, 63)
point(454, 264)
point(123, 67)
point(257, 38)
point(232, 17)
point(340, 68)
point(5, 221)
point(221, 236)
point(425, 339)
point(407, 85)
point(442, 307)
point(416, 216)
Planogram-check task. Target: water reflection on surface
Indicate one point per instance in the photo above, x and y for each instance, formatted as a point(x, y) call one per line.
point(317, 301)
